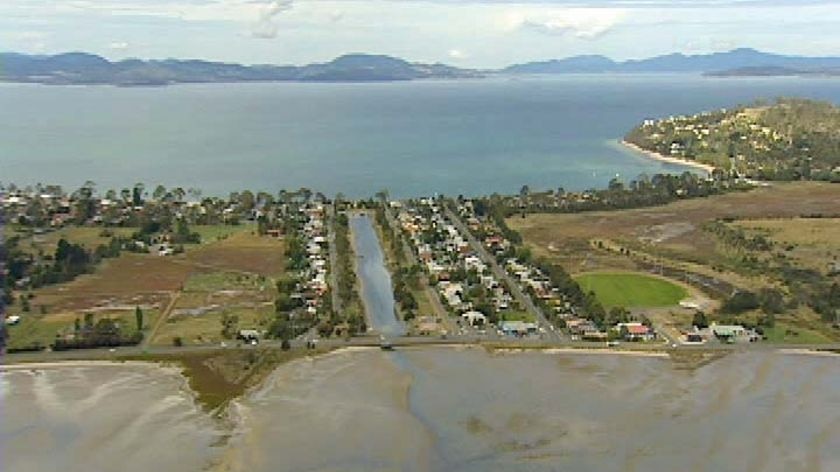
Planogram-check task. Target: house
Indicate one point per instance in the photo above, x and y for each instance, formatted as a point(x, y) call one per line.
point(517, 328)
point(728, 333)
point(474, 318)
point(635, 331)
point(250, 336)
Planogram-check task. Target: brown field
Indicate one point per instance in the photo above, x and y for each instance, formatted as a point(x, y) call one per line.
point(130, 278)
point(243, 251)
point(673, 230)
point(229, 271)
point(808, 242)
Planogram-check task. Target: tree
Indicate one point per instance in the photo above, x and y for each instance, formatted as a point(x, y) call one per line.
point(159, 192)
point(699, 320)
point(230, 325)
point(138, 318)
point(137, 194)
point(771, 300)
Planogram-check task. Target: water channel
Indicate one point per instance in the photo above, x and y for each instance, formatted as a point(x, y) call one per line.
point(376, 289)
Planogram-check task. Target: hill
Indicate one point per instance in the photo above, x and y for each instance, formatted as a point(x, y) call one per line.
point(82, 68)
point(790, 139)
point(701, 63)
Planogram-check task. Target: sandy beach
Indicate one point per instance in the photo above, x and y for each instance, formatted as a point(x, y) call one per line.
point(672, 160)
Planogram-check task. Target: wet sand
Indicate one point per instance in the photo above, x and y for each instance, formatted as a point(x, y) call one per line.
point(101, 417)
point(440, 409)
point(468, 410)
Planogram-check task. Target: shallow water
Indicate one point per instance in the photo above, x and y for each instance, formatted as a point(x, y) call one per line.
point(471, 411)
point(376, 289)
point(441, 409)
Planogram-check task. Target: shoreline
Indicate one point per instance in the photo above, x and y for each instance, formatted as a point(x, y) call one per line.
point(671, 160)
point(78, 363)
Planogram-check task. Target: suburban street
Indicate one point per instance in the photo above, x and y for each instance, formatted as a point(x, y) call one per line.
point(411, 258)
point(502, 274)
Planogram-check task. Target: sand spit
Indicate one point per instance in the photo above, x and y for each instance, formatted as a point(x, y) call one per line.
point(668, 159)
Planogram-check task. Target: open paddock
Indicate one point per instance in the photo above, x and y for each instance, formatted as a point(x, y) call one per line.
point(672, 230)
point(242, 252)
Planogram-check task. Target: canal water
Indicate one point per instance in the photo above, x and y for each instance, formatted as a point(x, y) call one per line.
point(377, 292)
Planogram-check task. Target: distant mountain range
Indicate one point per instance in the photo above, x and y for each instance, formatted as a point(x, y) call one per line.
point(744, 59)
point(83, 68)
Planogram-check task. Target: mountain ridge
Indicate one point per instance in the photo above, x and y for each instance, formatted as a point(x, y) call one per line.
point(80, 68)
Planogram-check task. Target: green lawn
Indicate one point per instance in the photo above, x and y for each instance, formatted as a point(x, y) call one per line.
point(785, 333)
point(631, 290)
point(211, 233)
point(516, 316)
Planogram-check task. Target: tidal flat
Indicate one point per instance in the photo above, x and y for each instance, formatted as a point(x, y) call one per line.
point(463, 409)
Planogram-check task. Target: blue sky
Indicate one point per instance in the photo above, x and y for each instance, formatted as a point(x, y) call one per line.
point(477, 33)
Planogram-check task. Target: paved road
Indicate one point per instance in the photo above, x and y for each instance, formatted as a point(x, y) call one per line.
point(404, 341)
point(431, 294)
point(501, 274)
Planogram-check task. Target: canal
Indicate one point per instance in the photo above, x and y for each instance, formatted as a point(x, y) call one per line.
point(376, 290)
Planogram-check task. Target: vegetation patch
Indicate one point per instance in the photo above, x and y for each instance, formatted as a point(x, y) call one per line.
point(631, 289)
point(218, 377)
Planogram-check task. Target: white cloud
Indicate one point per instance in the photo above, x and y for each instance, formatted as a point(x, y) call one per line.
point(118, 46)
point(457, 54)
point(266, 27)
point(581, 23)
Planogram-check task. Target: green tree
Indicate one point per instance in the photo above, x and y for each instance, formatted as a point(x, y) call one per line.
point(230, 325)
point(138, 317)
point(699, 320)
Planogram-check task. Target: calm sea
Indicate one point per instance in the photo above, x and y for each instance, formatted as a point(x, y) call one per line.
point(414, 138)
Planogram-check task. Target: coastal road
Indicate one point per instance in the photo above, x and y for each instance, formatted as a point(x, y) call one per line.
point(123, 353)
point(501, 274)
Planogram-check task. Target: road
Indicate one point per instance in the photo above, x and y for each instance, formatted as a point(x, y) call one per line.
point(501, 274)
point(336, 300)
point(121, 353)
point(411, 258)
point(161, 319)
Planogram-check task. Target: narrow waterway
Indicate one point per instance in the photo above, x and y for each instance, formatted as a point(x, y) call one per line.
point(377, 292)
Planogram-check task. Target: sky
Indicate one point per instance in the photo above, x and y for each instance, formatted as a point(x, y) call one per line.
point(466, 33)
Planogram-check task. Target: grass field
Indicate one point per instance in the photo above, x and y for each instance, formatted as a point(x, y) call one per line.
point(43, 329)
point(207, 327)
point(87, 237)
point(631, 290)
point(788, 333)
point(807, 242)
point(673, 230)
